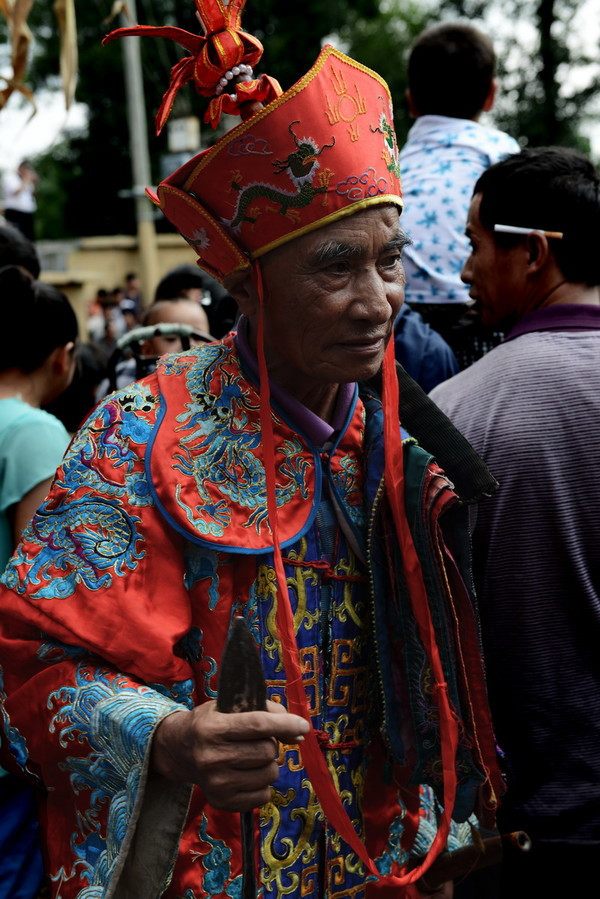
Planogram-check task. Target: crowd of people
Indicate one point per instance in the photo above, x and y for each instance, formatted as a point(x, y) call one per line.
point(393, 580)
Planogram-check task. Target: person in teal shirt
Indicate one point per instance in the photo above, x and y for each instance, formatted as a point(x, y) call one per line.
point(32, 444)
point(33, 372)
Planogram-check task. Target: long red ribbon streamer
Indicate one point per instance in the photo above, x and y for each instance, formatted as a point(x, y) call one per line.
point(312, 756)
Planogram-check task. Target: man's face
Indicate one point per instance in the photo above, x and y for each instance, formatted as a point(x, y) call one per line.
point(331, 299)
point(495, 274)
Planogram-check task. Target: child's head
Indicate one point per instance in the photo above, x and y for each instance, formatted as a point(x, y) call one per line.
point(451, 71)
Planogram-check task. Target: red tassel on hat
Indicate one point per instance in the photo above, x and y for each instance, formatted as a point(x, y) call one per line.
point(312, 756)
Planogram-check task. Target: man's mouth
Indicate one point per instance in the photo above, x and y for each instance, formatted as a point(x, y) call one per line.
point(364, 345)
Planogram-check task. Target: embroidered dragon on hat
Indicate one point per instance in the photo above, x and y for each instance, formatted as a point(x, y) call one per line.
point(301, 165)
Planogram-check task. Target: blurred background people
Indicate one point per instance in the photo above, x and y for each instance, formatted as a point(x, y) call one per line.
point(180, 311)
point(109, 323)
point(168, 326)
point(132, 292)
point(451, 83)
point(19, 198)
point(36, 365)
point(192, 283)
point(16, 249)
point(74, 405)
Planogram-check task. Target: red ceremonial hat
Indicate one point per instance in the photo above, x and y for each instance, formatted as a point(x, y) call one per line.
point(322, 150)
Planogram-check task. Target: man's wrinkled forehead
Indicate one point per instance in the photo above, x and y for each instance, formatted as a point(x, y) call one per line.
point(350, 237)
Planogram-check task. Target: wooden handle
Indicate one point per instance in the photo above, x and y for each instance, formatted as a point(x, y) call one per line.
point(483, 854)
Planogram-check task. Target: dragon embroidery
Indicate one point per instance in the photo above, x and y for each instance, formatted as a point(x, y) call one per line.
point(390, 154)
point(301, 165)
point(217, 450)
point(84, 533)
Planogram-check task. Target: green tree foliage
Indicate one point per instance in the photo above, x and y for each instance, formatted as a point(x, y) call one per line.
point(539, 101)
point(548, 82)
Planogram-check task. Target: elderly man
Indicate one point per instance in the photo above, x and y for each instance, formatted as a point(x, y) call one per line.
point(190, 498)
point(531, 407)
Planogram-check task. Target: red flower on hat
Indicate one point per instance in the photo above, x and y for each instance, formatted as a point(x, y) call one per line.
point(213, 58)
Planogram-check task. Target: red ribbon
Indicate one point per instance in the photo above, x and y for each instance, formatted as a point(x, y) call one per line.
point(312, 757)
point(223, 46)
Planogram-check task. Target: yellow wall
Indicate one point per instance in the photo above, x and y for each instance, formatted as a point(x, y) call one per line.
point(95, 262)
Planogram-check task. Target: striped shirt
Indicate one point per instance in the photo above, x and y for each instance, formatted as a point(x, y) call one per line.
point(531, 407)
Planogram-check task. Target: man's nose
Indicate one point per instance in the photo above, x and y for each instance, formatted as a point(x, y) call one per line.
point(466, 274)
point(375, 297)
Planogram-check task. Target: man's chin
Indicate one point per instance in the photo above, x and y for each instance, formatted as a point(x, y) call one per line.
point(367, 370)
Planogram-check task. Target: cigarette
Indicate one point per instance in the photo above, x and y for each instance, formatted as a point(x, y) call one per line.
point(515, 229)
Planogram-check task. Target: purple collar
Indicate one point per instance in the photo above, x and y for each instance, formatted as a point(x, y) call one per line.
point(562, 317)
point(318, 431)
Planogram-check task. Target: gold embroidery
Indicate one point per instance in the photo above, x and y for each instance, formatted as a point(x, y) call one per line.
point(347, 107)
point(302, 847)
point(308, 882)
point(324, 180)
point(298, 582)
point(347, 684)
point(347, 607)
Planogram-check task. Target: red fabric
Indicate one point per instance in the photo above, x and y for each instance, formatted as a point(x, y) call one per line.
point(190, 491)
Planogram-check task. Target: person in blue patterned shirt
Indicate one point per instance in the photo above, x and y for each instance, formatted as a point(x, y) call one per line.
point(451, 81)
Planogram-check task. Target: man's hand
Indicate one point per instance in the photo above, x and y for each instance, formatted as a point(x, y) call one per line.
point(231, 757)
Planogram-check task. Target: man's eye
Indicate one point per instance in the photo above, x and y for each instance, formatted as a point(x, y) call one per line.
point(340, 267)
point(391, 262)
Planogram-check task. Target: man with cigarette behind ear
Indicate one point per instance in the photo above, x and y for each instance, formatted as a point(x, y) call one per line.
point(531, 407)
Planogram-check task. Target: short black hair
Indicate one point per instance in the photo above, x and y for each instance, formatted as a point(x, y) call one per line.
point(184, 277)
point(16, 249)
point(36, 319)
point(551, 189)
point(451, 68)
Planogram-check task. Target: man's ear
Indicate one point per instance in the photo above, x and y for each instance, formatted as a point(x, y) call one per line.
point(241, 287)
point(538, 252)
point(491, 96)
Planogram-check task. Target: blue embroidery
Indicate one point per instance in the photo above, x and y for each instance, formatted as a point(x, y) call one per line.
point(218, 438)
point(116, 721)
point(393, 852)
point(190, 648)
point(109, 434)
point(15, 741)
point(217, 865)
point(181, 692)
point(200, 564)
point(83, 538)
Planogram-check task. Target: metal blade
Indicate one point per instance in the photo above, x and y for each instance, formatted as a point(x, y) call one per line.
point(242, 688)
point(242, 685)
